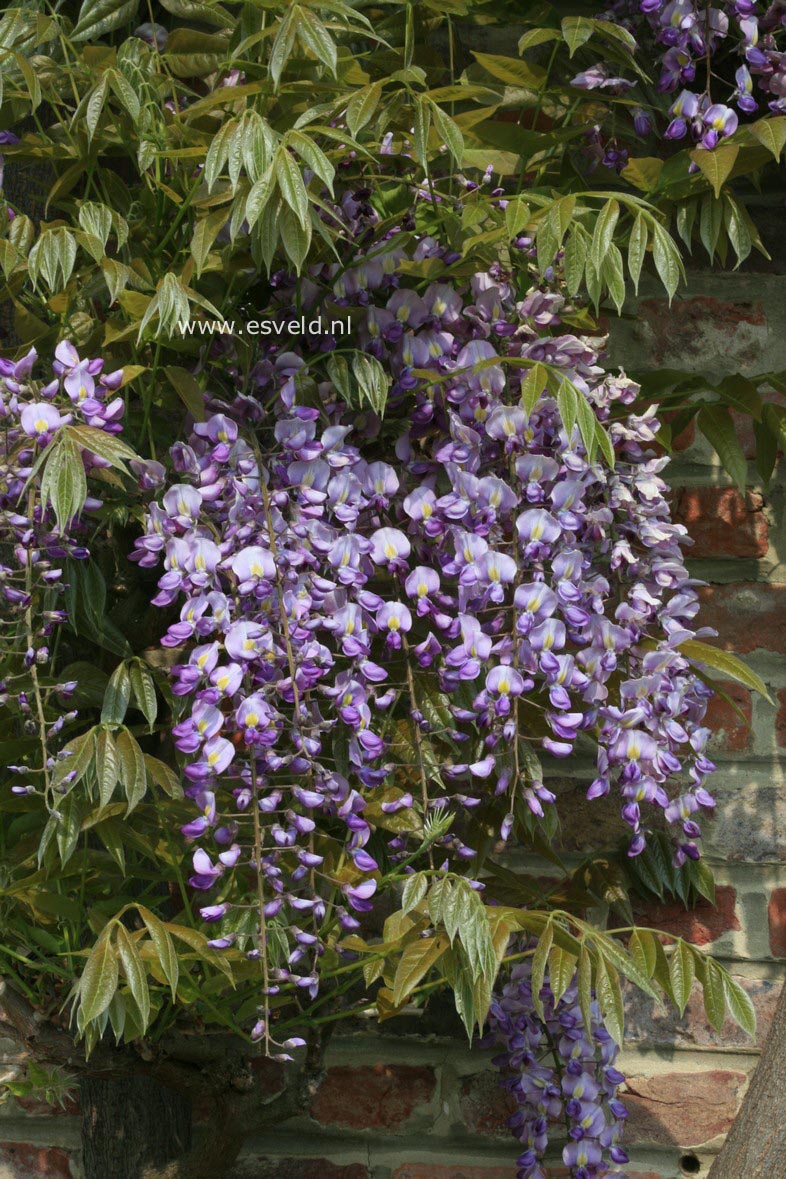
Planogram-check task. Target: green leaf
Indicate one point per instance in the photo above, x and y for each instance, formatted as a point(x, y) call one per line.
point(771, 133)
point(537, 36)
point(106, 446)
point(667, 259)
point(715, 423)
point(106, 766)
point(604, 232)
point(738, 229)
point(198, 943)
point(740, 1006)
point(716, 164)
point(682, 971)
point(517, 214)
point(290, 183)
point(144, 692)
point(533, 387)
point(164, 946)
point(575, 258)
point(607, 988)
point(99, 978)
point(117, 696)
point(637, 248)
point(372, 380)
point(313, 35)
point(188, 390)
point(710, 222)
point(205, 233)
point(714, 993)
point(562, 967)
point(312, 156)
point(642, 951)
point(449, 131)
point(134, 972)
point(98, 17)
point(95, 105)
point(729, 666)
point(361, 107)
point(511, 70)
point(63, 483)
point(77, 757)
point(476, 936)
point(418, 958)
point(585, 985)
point(415, 889)
point(539, 960)
point(613, 275)
point(131, 764)
point(163, 776)
point(294, 237)
point(576, 31)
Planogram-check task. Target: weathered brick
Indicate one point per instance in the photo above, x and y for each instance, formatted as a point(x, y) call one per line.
point(378, 1097)
point(485, 1106)
point(748, 616)
point(731, 732)
point(648, 1024)
point(251, 1167)
point(457, 1171)
point(776, 917)
point(701, 327)
point(780, 719)
point(699, 925)
point(23, 1160)
point(685, 1109)
point(721, 522)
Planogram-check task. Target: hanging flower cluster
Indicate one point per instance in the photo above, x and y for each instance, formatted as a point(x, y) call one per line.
point(34, 547)
point(330, 583)
point(688, 35)
point(561, 1074)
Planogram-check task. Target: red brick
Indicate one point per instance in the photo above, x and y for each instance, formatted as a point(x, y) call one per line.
point(731, 732)
point(699, 925)
point(682, 1109)
point(381, 1097)
point(266, 1168)
point(721, 522)
point(776, 916)
point(697, 328)
point(748, 616)
point(22, 1160)
point(780, 719)
point(485, 1106)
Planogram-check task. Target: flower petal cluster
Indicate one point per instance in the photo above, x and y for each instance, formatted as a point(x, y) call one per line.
point(687, 35)
point(401, 615)
point(561, 1074)
point(33, 547)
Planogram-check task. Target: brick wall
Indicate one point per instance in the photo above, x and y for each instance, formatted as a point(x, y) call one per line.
point(408, 1100)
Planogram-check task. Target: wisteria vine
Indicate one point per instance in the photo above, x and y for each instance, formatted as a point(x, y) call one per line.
point(328, 597)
